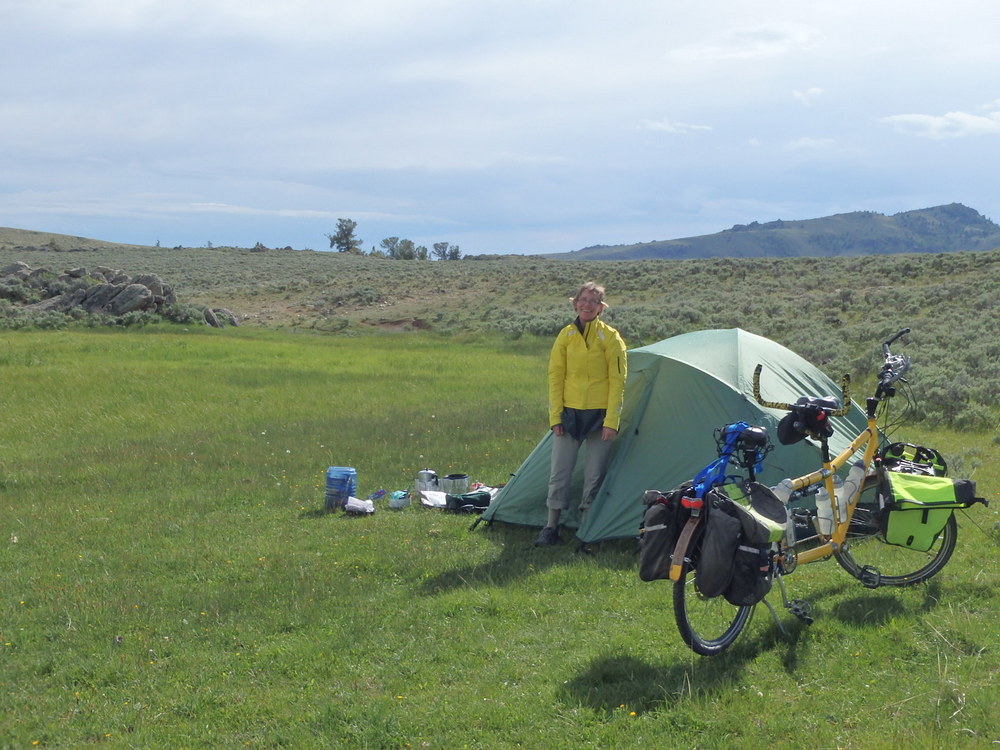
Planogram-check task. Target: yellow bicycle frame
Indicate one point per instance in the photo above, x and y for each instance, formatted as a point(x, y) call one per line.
point(868, 439)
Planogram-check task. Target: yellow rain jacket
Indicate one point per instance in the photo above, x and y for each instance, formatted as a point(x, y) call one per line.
point(587, 371)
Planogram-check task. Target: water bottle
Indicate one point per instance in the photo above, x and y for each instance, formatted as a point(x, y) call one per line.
point(824, 508)
point(783, 491)
point(854, 478)
point(341, 483)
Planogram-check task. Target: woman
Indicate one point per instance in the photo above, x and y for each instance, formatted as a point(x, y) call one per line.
point(587, 368)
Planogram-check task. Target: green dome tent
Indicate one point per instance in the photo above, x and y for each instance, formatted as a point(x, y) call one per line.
point(677, 393)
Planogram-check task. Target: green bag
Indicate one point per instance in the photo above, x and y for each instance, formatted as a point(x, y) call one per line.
point(916, 507)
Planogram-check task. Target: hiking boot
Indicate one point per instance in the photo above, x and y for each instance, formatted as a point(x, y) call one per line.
point(548, 537)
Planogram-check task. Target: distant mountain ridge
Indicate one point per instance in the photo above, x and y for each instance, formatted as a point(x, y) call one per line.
point(942, 229)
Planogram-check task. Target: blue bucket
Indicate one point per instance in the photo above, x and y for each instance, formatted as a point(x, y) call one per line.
point(341, 484)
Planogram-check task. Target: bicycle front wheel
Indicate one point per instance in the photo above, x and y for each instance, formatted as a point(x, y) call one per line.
point(869, 558)
point(707, 625)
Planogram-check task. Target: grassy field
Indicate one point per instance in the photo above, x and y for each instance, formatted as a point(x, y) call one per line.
point(171, 579)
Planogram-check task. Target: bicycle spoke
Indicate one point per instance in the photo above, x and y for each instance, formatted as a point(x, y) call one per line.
point(707, 625)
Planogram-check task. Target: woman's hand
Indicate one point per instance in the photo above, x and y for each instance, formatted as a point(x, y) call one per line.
point(608, 434)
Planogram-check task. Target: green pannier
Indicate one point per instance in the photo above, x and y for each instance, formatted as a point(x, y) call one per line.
point(916, 507)
point(912, 459)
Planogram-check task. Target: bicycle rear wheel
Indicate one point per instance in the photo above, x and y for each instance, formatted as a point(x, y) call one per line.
point(871, 560)
point(707, 625)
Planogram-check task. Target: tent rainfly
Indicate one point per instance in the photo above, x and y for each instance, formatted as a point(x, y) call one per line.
point(678, 392)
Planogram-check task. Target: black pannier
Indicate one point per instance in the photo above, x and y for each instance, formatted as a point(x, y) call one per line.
point(661, 525)
point(731, 552)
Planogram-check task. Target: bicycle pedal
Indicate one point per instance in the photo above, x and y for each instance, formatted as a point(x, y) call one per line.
point(870, 577)
point(801, 609)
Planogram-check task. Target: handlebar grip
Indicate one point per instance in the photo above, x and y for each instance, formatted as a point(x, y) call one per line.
point(845, 387)
point(890, 342)
point(757, 396)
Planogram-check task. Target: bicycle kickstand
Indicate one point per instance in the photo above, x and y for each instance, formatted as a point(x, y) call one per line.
point(798, 607)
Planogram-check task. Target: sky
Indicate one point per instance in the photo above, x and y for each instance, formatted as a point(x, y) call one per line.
point(499, 126)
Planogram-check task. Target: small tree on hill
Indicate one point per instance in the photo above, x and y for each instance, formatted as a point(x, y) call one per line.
point(398, 249)
point(444, 251)
point(344, 240)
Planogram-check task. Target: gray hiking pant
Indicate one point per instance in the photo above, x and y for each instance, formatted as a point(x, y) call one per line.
point(564, 454)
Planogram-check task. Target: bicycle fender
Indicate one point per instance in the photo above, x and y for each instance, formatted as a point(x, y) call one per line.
point(680, 549)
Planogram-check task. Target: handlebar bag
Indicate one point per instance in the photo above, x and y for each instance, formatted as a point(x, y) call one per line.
point(916, 507)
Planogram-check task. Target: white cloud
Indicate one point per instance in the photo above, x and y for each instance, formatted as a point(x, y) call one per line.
point(760, 42)
point(949, 125)
point(810, 144)
point(247, 120)
point(808, 96)
point(668, 126)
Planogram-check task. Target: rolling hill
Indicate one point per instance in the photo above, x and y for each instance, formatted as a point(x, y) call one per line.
point(940, 229)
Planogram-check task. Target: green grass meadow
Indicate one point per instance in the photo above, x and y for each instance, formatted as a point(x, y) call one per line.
point(171, 579)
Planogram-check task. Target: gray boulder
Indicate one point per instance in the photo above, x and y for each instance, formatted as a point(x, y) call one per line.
point(131, 298)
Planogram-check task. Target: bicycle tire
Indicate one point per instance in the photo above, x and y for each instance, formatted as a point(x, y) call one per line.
point(708, 625)
point(869, 558)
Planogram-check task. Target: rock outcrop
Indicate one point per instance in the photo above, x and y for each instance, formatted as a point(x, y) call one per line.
point(94, 290)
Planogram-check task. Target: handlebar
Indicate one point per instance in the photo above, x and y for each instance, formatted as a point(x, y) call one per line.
point(845, 387)
point(893, 369)
point(886, 344)
point(895, 366)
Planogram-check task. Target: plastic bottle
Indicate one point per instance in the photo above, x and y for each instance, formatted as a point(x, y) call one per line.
point(824, 508)
point(341, 483)
point(783, 491)
point(844, 495)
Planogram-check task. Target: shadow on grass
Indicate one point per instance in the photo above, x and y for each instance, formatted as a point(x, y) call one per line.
point(873, 608)
point(519, 558)
point(624, 683)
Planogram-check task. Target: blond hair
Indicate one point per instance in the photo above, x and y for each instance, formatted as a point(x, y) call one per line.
point(590, 286)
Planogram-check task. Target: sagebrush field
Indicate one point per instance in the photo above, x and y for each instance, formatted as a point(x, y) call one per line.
point(171, 578)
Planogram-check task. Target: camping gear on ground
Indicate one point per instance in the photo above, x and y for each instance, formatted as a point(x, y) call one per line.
point(700, 378)
point(341, 483)
point(399, 499)
point(430, 498)
point(427, 479)
point(357, 507)
point(454, 484)
point(468, 502)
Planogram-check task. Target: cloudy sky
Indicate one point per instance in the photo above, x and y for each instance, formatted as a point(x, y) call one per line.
point(520, 126)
